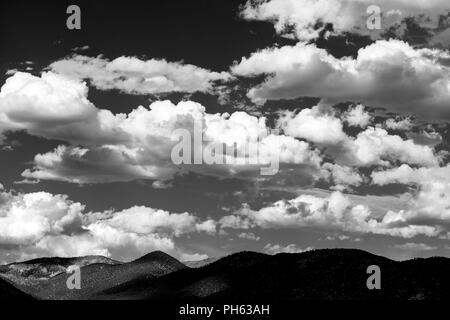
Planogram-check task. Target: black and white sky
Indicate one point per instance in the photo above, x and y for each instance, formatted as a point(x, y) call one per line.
point(87, 116)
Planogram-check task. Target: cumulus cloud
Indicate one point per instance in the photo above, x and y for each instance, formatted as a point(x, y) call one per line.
point(407, 175)
point(150, 158)
point(98, 165)
point(44, 224)
point(341, 237)
point(357, 117)
point(136, 76)
point(249, 236)
point(236, 222)
point(403, 124)
point(54, 107)
point(388, 74)
point(316, 125)
point(342, 176)
point(250, 133)
point(305, 19)
point(373, 146)
point(144, 220)
point(335, 212)
point(431, 201)
point(105, 147)
point(27, 218)
point(277, 248)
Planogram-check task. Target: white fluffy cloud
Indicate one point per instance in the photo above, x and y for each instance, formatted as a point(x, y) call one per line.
point(107, 147)
point(407, 175)
point(400, 124)
point(389, 74)
point(51, 98)
point(247, 131)
point(342, 176)
point(100, 165)
point(357, 117)
point(136, 76)
point(345, 15)
point(432, 199)
point(314, 125)
point(290, 248)
point(55, 107)
point(27, 218)
point(43, 224)
point(144, 220)
point(373, 146)
point(335, 212)
point(249, 236)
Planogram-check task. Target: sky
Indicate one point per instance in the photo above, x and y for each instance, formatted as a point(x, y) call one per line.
point(357, 118)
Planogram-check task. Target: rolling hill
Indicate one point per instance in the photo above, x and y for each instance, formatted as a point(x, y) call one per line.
point(46, 268)
point(332, 274)
point(98, 277)
point(329, 274)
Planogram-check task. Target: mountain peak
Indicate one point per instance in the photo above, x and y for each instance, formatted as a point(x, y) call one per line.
point(156, 256)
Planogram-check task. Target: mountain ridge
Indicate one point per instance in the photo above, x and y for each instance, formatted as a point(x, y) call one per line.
point(328, 274)
point(325, 274)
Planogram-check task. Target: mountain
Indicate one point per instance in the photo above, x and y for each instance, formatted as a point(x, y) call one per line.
point(32, 274)
point(207, 279)
point(330, 274)
point(45, 268)
point(9, 292)
point(98, 277)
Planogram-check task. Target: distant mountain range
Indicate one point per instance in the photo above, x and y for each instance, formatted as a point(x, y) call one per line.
point(330, 274)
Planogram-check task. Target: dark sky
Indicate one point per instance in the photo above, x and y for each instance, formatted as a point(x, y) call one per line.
point(205, 33)
point(209, 34)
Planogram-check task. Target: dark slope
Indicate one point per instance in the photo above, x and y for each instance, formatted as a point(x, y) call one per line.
point(320, 274)
point(96, 278)
point(248, 276)
point(9, 292)
point(205, 281)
